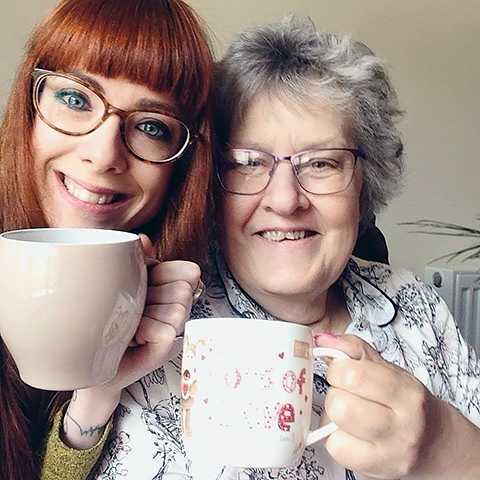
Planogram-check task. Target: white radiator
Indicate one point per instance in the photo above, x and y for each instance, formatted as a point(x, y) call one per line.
point(460, 288)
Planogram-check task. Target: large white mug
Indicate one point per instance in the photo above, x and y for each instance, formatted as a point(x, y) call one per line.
point(70, 302)
point(247, 392)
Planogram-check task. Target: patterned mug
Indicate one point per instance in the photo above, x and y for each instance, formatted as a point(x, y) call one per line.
point(247, 392)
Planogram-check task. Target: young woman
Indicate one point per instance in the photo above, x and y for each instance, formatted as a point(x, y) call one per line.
point(108, 126)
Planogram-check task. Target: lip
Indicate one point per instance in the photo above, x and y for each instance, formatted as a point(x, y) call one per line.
point(285, 229)
point(93, 208)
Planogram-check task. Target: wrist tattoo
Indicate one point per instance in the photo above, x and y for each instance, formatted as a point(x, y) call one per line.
point(89, 432)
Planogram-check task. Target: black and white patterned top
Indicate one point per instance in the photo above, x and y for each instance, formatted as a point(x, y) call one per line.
point(395, 312)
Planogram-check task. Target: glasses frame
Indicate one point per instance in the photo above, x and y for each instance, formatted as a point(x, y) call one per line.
point(276, 159)
point(39, 74)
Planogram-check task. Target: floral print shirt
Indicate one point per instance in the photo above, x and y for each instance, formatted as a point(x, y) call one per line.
point(395, 312)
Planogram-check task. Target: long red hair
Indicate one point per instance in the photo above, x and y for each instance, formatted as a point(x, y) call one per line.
point(161, 44)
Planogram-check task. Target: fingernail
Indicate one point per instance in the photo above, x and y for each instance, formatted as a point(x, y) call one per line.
point(151, 261)
point(329, 335)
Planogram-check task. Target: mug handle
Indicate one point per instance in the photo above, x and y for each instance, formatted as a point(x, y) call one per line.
point(322, 432)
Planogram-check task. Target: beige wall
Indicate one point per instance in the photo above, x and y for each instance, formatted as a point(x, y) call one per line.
point(17, 19)
point(433, 47)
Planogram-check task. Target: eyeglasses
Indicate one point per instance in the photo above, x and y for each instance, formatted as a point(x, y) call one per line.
point(321, 171)
point(74, 107)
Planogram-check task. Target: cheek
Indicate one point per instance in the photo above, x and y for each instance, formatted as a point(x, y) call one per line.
point(339, 213)
point(235, 212)
point(152, 179)
point(49, 145)
point(42, 143)
point(347, 214)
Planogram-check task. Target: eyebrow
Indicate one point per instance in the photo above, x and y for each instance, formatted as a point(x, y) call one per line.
point(90, 80)
point(164, 107)
point(142, 104)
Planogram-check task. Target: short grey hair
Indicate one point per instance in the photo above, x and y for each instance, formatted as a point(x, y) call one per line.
point(293, 61)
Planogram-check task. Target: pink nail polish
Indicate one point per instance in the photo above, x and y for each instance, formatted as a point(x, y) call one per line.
point(329, 335)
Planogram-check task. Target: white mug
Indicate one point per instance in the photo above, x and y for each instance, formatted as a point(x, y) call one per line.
point(247, 392)
point(70, 302)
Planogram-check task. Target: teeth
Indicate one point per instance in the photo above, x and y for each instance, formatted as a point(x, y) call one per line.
point(278, 235)
point(85, 195)
point(297, 235)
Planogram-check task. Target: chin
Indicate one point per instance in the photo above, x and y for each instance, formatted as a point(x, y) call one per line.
point(284, 286)
point(82, 223)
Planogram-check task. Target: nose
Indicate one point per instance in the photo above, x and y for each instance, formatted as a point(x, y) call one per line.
point(104, 148)
point(284, 194)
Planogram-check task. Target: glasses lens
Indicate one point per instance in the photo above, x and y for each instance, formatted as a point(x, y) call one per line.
point(319, 172)
point(245, 171)
point(156, 137)
point(67, 105)
point(325, 171)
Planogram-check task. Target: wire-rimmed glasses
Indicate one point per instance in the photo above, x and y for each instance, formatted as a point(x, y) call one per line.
point(322, 171)
point(72, 106)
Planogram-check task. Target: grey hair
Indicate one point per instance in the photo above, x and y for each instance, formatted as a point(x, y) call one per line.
point(293, 61)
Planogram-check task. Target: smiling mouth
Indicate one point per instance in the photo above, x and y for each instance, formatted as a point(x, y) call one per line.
point(280, 236)
point(89, 197)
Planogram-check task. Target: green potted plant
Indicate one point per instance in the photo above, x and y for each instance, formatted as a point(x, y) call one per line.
point(434, 227)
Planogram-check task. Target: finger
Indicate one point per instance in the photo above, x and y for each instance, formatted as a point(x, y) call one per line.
point(140, 361)
point(178, 292)
point(172, 271)
point(351, 452)
point(371, 459)
point(383, 383)
point(369, 375)
point(149, 330)
point(373, 425)
point(352, 345)
point(147, 245)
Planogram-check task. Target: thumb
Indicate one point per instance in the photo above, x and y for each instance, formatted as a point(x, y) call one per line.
point(351, 344)
point(147, 245)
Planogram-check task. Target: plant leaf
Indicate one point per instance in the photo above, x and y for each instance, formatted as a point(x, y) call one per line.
point(435, 227)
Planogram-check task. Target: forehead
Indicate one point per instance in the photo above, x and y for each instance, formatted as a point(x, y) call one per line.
point(271, 122)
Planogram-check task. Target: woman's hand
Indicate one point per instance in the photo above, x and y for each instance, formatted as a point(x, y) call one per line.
point(390, 425)
point(167, 307)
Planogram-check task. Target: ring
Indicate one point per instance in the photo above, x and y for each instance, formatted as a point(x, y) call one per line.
point(197, 292)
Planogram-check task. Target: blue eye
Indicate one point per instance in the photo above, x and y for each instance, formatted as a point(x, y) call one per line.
point(73, 99)
point(154, 129)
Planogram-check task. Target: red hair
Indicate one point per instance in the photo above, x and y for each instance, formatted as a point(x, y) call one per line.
point(161, 44)
point(157, 43)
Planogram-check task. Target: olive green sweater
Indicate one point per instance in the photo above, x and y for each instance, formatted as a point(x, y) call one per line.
point(61, 462)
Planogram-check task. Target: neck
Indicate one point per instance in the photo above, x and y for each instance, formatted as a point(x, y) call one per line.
point(336, 318)
point(326, 312)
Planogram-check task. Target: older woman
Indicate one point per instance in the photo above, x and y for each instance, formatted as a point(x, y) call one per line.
point(308, 154)
point(108, 126)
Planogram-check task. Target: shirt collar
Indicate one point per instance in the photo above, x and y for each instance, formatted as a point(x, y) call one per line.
point(364, 287)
